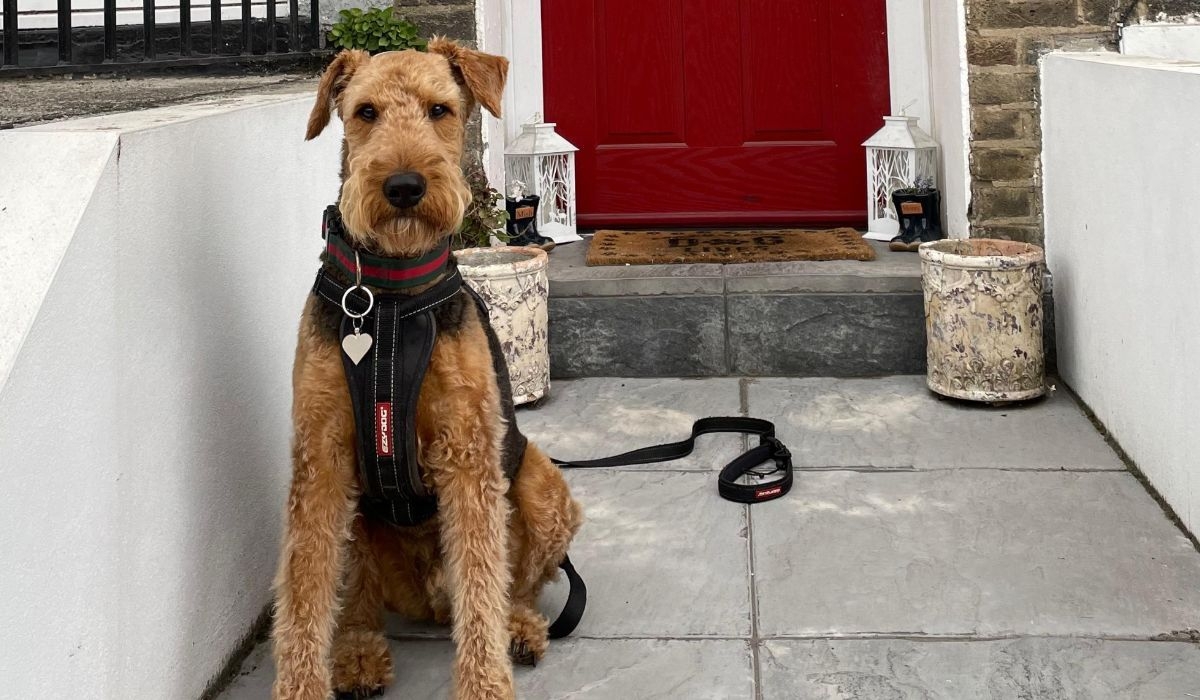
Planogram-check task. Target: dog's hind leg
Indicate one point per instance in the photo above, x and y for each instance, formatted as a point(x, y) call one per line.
point(541, 530)
point(362, 664)
point(320, 507)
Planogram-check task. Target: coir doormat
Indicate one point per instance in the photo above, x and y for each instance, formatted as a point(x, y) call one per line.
point(674, 247)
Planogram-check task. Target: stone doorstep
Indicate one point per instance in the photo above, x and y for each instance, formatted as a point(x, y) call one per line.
point(889, 273)
point(838, 318)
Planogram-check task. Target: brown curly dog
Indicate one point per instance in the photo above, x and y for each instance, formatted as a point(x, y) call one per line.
point(481, 562)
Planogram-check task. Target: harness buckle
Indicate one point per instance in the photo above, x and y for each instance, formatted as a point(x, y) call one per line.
point(331, 220)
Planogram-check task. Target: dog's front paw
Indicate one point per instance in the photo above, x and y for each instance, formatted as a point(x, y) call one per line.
point(529, 635)
point(362, 664)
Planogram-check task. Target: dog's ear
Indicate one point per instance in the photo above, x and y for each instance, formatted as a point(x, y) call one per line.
point(481, 73)
point(329, 92)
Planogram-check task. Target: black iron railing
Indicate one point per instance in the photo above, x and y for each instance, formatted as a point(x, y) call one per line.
point(117, 47)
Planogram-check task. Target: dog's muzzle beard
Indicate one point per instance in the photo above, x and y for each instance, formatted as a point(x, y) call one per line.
point(373, 190)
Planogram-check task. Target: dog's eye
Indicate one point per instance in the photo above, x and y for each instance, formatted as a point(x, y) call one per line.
point(366, 113)
point(438, 111)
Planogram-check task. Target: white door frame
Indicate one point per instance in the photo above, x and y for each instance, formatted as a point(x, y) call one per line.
point(513, 28)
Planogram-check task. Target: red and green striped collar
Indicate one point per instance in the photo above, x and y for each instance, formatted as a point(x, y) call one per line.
point(378, 271)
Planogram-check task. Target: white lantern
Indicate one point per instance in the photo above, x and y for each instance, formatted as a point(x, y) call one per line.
point(544, 163)
point(898, 155)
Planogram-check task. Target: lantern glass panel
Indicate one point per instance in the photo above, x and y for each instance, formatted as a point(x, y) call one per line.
point(558, 185)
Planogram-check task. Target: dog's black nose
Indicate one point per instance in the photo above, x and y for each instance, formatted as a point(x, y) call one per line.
point(404, 190)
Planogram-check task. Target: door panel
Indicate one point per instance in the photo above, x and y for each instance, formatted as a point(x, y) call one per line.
point(784, 93)
point(717, 111)
point(649, 49)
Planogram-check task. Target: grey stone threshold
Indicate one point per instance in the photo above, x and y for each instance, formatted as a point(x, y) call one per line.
point(833, 319)
point(889, 272)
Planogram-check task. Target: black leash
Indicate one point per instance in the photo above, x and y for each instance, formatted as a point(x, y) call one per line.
point(572, 611)
point(769, 448)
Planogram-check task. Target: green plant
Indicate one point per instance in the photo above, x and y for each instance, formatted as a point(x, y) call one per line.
point(484, 217)
point(375, 30)
point(923, 185)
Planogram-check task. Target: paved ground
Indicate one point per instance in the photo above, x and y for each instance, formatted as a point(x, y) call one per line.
point(928, 550)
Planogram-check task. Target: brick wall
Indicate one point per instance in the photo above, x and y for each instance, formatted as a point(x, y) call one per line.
point(454, 19)
point(1005, 38)
point(451, 18)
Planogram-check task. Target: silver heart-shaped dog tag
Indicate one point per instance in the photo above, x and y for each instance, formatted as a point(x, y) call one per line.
point(356, 346)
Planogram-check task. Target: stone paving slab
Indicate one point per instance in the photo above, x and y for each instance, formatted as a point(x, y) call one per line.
point(897, 423)
point(592, 669)
point(570, 276)
point(663, 556)
point(999, 670)
point(591, 418)
point(972, 552)
point(888, 272)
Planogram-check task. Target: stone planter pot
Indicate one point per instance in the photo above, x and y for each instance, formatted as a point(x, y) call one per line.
point(983, 319)
point(513, 284)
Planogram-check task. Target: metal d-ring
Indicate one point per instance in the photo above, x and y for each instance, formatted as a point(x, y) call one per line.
point(370, 301)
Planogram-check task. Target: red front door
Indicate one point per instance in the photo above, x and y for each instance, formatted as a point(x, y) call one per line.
point(717, 111)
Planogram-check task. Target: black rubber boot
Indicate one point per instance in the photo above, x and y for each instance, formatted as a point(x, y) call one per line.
point(908, 240)
point(920, 219)
point(522, 223)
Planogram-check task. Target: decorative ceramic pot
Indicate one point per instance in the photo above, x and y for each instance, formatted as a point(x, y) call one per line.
point(513, 283)
point(983, 319)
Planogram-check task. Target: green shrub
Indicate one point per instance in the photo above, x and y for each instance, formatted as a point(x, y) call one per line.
point(375, 30)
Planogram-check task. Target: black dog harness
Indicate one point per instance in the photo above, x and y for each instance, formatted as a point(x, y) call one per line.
point(384, 383)
point(387, 341)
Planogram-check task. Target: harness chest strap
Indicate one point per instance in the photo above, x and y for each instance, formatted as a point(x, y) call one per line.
point(384, 385)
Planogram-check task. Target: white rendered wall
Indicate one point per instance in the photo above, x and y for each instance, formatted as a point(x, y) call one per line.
point(144, 423)
point(1122, 161)
point(1163, 40)
point(950, 110)
point(493, 21)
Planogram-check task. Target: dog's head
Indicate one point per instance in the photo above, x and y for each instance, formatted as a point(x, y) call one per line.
point(405, 116)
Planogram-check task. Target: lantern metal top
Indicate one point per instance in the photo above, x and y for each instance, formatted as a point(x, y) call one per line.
point(538, 138)
point(900, 132)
